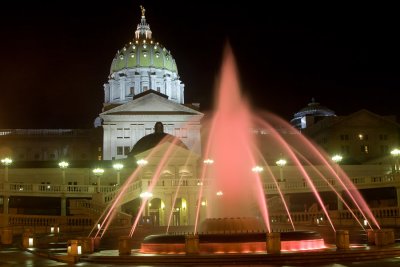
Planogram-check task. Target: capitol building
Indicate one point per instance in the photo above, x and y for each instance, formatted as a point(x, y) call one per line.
point(68, 177)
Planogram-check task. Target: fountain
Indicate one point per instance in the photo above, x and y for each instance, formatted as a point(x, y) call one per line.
point(231, 185)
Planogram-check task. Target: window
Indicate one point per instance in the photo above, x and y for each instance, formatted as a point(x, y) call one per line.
point(365, 149)
point(119, 133)
point(345, 150)
point(158, 89)
point(383, 137)
point(119, 151)
point(132, 91)
point(384, 150)
point(127, 149)
point(344, 137)
point(184, 132)
point(127, 132)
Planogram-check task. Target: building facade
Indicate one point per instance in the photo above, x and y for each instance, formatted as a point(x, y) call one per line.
point(144, 88)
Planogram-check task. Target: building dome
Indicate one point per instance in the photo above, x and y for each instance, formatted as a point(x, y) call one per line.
point(140, 65)
point(151, 140)
point(310, 114)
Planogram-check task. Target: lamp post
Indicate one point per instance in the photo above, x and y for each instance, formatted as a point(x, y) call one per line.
point(6, 162)
point(281, 163)
point(142, 162)
point(118, 167)
point(337, 159)
point(98, 172)
point(63, 165)
point(396, 153)
point(145, 197)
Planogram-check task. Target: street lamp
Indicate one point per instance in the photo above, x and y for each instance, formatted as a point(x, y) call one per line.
point(98, 172)
point(257, 169)
point(208, 161)
point(145, 196)
point(63, 165)
point(118, 167)
point(396, 153)
point(337, 158)
point(281, 163)
point(142, 162)
point(6, 162)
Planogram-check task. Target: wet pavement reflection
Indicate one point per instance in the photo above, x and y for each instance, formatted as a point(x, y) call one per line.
point(15, 257)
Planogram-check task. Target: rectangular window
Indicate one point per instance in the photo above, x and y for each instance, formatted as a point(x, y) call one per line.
point(184, 132)
point(177, 132)
point(119, 133)
point(365, 149)
point(127, 149)
point(148, 131)
point(383, 137)
point(344, 137)
point(119, 150)
point(127, 133)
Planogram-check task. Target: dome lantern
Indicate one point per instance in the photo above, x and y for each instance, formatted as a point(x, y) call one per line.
point(143, 28)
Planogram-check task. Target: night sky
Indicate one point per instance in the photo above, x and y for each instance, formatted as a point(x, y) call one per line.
point(56, 56)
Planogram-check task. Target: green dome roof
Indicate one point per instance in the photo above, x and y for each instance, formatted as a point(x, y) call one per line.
point(143, 52)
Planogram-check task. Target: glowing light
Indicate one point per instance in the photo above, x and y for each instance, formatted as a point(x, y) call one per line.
point(6, 161)
point(281, 162)
point(220, 193)
point(394, 152)
point(63, 164)
point(257, 169)
point(118, 166)
point(199, 183)
point(365, 222)
point(208, 161)
point(203, 203)
point(98, 171)
point(30, 242)
point(142, 162)
point(337, 158)
point(146, 195)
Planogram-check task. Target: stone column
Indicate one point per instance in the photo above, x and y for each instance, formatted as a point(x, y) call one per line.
point(6, 201)
point(370, 236)
point(63, 205)
point(342, 239)
point(124, 245)
point(7, 236)
point(398, 196)
point(273, 243)
point(74, 248)
point(192, 244)
point(339, 202)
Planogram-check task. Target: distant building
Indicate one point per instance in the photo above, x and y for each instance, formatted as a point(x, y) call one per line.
point(310, 114)
point(359, 137)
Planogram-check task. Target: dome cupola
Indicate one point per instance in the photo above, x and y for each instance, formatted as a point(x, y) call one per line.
point(143, 64)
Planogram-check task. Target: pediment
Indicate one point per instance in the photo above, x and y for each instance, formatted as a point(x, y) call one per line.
point(175, 153)
point(364, 117)
point(151, 103)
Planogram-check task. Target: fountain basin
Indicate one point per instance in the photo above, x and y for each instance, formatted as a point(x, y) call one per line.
point(217, 243)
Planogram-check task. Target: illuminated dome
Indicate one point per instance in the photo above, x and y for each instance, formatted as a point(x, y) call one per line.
point(152, 140)
point(143, 64)
point(310, 114)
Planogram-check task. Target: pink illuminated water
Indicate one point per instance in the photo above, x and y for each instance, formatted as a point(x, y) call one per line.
point(234, 191)
point(228, 183)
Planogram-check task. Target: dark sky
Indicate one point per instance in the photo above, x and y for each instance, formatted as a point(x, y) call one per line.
point(55, 56)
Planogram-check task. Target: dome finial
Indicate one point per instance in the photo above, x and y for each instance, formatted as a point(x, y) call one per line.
point(143, 29)
point(143, 10)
